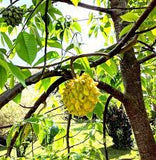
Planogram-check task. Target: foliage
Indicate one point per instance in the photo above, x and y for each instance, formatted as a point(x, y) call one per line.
point(43, 45)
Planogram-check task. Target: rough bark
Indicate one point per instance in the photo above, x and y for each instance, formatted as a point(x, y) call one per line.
point(134, 105)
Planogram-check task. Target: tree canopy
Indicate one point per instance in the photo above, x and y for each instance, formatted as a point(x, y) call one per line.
point(49, 48)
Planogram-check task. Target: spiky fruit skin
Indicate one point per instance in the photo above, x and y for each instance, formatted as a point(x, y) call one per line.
point(80, 95)
point(13, 16)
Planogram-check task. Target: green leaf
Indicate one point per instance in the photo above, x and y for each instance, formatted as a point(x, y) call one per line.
point(86, 66)
point(75, 2)
point(3, 76)
point(66, 35)
point(35, 128)
point(54, 44)
point(91, 30)
point(76, 26)
point(4, 64)
point(130, 17)
point(125, 30)
point(11, 133)
point(26, 47)
point(110, 68)
point(99, 110)
point(7, 40)
point(55, 11)
point(17, 73)
point(2, 52)
point(12, 81)
point(50, 56)
point(17, 99)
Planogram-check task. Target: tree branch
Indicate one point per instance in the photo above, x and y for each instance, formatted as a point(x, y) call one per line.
point(147, 58)
point(67, 59)
point(12, 93)
point(6, 126)
point(112, 91)
point(95, 8)
point(87, 6)
point(40, 100)
point(146, 30)
point(129, 35)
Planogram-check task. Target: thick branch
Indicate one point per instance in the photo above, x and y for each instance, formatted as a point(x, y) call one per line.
point(12, 93)
point(112, 91)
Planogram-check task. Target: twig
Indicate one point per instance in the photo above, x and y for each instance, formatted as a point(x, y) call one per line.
point(148, 46)
point(24, 106)
point(68, 131)
point(153, 43)
point(104, 126)
point(72, 67)
point(147, 58)
point(67, 59)
point(147, 30)
point(53, 109)
point(76, 144)
point(41, 146)
point(6, 126)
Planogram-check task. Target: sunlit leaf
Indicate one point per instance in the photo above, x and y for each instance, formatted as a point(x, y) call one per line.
point(49, 56)
point(75, 2)
point(17, 73)
point(3, 76)
point(26, 47)
point(125, 30)
point(54, 44)
point(17, 99)
point(130, 17)
point(76, 26)
point(7, 40)
point(154, 32)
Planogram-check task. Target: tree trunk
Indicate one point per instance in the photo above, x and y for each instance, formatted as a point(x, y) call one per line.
point(134, 104)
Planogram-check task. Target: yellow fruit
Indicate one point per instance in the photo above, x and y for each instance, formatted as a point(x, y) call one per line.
point(80, 95)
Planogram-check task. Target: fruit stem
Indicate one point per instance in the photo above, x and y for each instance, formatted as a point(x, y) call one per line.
point(72, 67)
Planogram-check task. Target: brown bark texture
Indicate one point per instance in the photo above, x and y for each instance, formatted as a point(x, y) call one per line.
point(134, 105)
